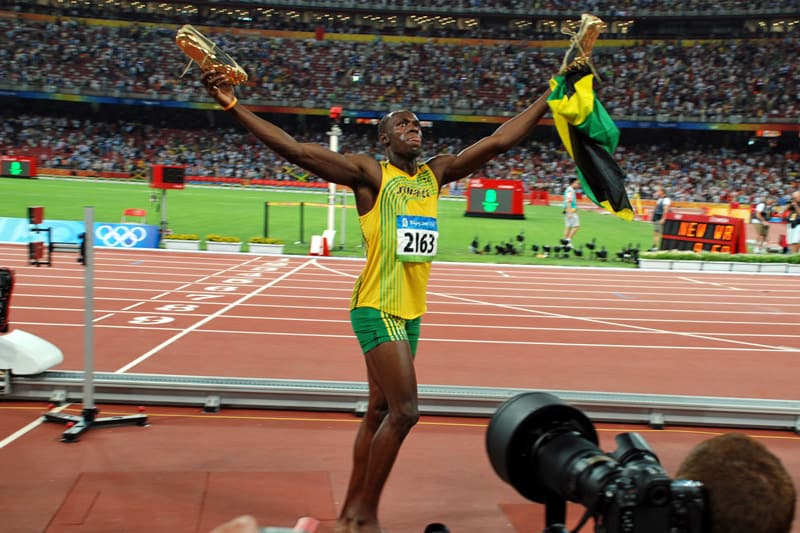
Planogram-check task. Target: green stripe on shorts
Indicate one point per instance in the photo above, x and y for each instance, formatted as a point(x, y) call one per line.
point(373, 327)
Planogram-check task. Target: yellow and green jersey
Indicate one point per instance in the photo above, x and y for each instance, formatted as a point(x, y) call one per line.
point(401, 236)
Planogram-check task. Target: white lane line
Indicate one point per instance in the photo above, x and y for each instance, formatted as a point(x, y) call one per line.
point(36, 423)
point(629, 326)
point(204, 278)
point(20, 432)
point(712, 283)
point(329, 269)
point(30, 427)
point(210, 317)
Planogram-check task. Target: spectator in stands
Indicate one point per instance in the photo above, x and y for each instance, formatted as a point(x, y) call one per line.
point(748, 487)
point(127, 147)
point(762, 213)
point(640, 80)
point(660, 213)
point(396, 196)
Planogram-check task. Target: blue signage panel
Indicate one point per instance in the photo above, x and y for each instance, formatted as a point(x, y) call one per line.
point(125, 235)
point(106, 234)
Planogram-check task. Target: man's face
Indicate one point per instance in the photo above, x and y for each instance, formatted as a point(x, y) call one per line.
point(403, 133)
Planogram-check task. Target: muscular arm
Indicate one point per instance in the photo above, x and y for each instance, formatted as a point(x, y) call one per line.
point(450, 168)
point(352, 171)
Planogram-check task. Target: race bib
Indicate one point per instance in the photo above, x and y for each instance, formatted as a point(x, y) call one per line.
point(417, 238)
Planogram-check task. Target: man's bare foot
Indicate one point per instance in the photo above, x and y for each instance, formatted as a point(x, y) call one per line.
point(342, 526)
point(367, 527)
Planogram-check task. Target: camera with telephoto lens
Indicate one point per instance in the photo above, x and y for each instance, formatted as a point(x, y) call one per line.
point(547, 450)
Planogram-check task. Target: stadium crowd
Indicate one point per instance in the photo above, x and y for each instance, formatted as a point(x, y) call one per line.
point(717, 81)
point(504, 16)
point(699, 174)
point(706, 81)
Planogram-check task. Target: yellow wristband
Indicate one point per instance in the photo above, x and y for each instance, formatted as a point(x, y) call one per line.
point(230, 106)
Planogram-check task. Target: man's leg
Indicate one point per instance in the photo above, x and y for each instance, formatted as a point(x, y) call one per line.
point(374, 415)
point(656, 237)
point(393, 407)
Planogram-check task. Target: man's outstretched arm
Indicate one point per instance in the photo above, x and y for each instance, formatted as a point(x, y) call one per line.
point(508, 135)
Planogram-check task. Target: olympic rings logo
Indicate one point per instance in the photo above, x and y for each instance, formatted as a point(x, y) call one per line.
point(120, 236)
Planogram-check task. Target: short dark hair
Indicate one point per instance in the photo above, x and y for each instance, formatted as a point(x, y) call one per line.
point(382, 124)
point(749, 489)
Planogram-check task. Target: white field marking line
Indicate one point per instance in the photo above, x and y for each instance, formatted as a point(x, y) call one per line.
point(36, 423)
point(544, 291)
point(142, 302)
point(296, 297)
point(594, 308)
point(129, 280)
point(514, 343)
point(503, 274)
point(519, 315)
point(469, 341)
point(294, 289)
point(100, 287)
point(333, 270)
point(204, 278)
point(30, 427)
point(605, 322)
point(139, 327)
point(429, 324)
point(641, 328)
point(20, 432)
point(67, 297)
point(616, 308)
point(713, 284)
point(210, 317)
point(108, 313)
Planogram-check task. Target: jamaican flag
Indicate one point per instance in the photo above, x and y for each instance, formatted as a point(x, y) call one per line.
point(590, 137)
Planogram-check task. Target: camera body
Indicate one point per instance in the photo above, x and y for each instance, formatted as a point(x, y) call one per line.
point(643, 501)
point(548, 451)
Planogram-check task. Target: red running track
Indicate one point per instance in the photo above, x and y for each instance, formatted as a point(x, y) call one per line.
point(610, 330)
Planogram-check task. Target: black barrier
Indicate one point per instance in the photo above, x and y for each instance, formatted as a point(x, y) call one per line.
point(41, 252)
point(301, 205)
point(6, 287)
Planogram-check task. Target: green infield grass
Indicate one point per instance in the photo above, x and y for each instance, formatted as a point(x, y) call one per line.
point(241, 212)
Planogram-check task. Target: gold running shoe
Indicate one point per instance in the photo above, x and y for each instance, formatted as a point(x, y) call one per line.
point(579, 54)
